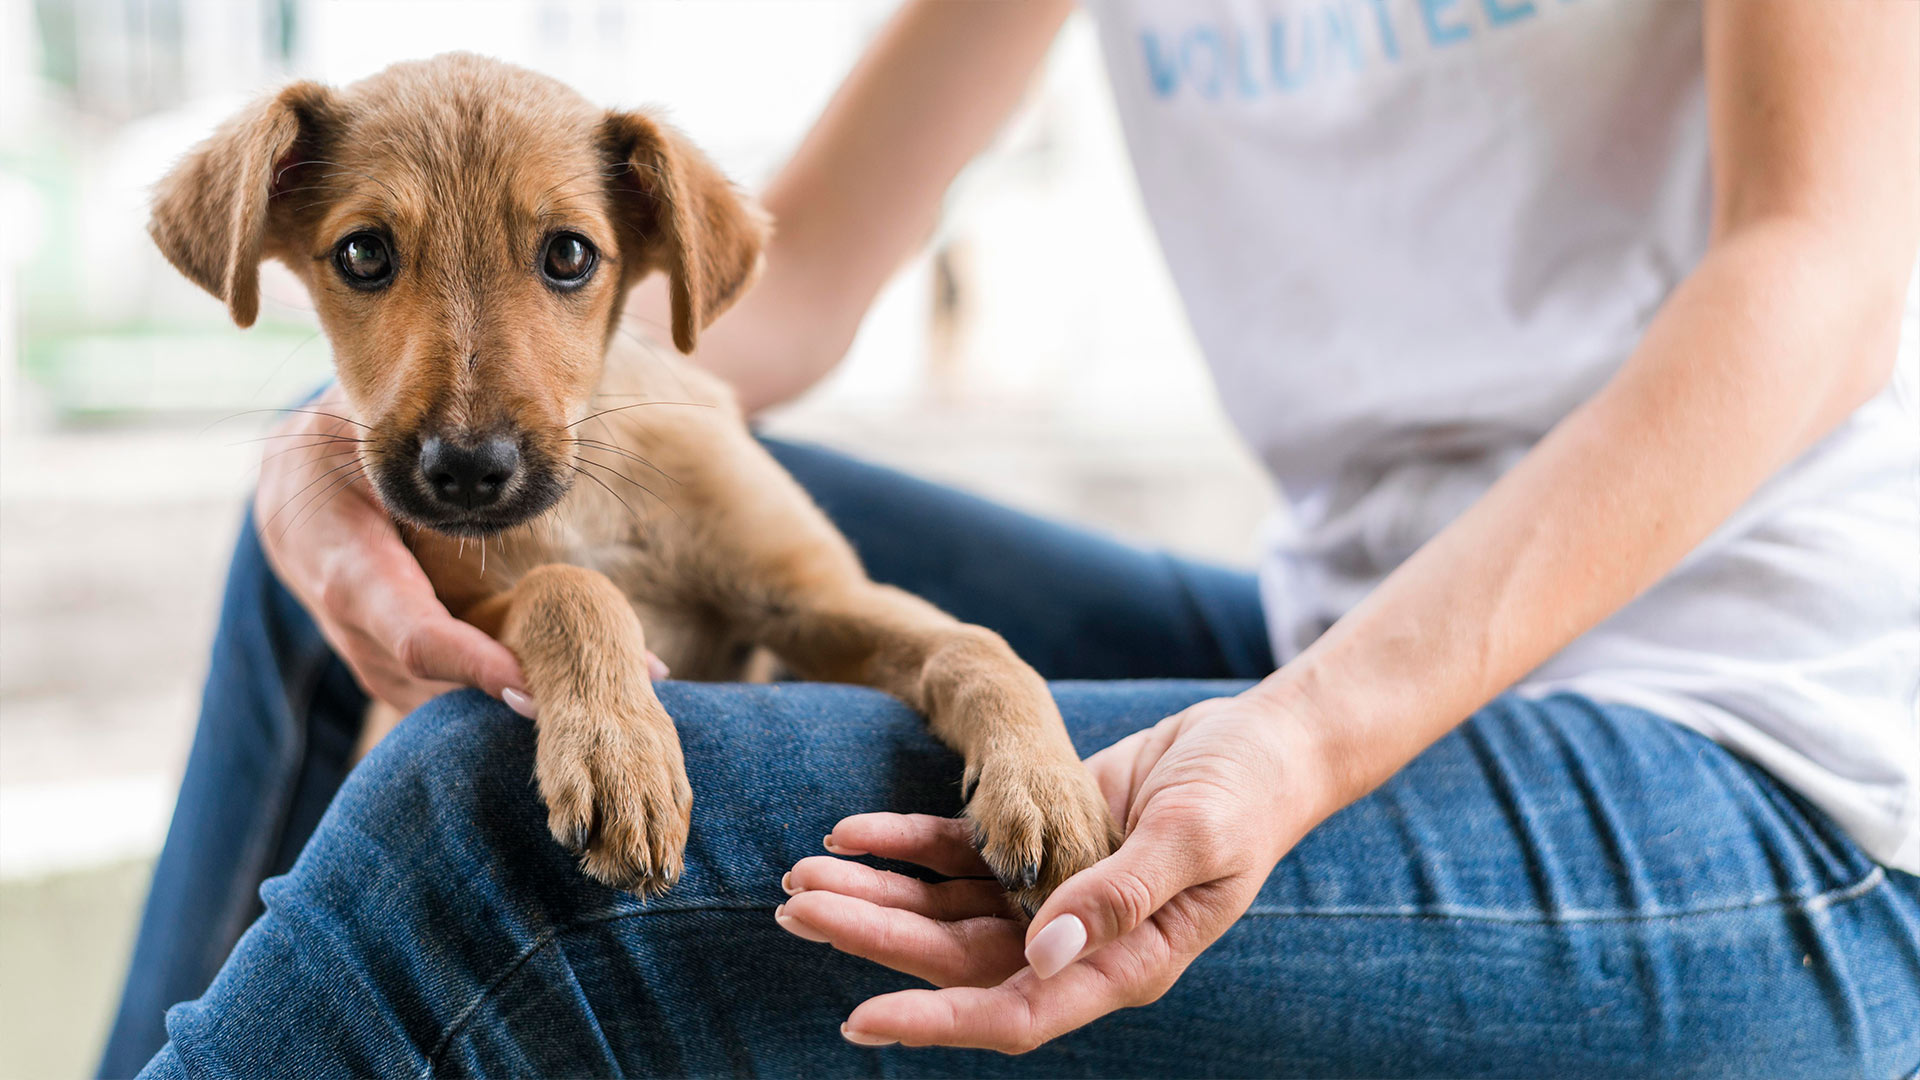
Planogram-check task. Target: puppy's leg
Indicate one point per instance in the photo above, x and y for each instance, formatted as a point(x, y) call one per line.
point(1037, 811)
point(762, 555)
point(608, 760)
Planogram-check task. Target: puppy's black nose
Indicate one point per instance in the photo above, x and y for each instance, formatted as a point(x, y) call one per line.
point(468, 477)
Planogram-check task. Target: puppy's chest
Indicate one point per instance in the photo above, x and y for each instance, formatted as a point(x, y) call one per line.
point(682, 626)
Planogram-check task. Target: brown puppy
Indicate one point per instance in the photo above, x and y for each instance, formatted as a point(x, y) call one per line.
point(468, 231)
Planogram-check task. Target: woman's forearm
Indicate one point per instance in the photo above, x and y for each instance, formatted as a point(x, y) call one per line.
point(1774, 339)
point(1789, 323)
point(864, 189)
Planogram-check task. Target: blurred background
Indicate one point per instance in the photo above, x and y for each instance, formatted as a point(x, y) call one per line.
point(1033, 352)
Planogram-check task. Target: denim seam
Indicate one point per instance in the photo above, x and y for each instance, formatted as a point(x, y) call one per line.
point(459, 1024)
point(544, 939)
point(1807, 904)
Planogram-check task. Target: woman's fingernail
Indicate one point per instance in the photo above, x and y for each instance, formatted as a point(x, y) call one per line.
point(827, 842)
point(786, 884)
point(795, 927)
point(865, 1040)
point(521, 702)
point(1056, 945)
point(657, 667)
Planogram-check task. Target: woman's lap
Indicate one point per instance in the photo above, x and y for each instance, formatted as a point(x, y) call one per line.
point(1468, 918)
point(1073, 604)
point(1555, 887)
point(280, 714)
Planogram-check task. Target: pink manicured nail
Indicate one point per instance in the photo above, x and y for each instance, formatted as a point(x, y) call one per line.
point(865, 1040)
point(795, 927)
point(1056, 945)
point(521, 702)
point(657, 667)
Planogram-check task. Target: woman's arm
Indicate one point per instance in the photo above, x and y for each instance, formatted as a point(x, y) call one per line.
point(1787, 325)
point(864, 189)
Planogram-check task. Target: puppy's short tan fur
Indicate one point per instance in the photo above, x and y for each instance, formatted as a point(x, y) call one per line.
point(468, 167)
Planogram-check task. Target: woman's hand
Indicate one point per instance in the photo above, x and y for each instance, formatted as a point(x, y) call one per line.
point(338, 552)
point(1211, 797)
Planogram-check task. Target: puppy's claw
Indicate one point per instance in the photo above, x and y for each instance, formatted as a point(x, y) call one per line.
point(1039, 824)
point(577, 841)
point(619, 795)
point(1013, 883)
point(1021, 887)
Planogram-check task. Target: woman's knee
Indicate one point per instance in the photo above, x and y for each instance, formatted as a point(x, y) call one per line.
point(772, 768)
point(455, 775)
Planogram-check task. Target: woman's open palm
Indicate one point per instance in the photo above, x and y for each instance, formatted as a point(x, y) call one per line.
point(1205, 799)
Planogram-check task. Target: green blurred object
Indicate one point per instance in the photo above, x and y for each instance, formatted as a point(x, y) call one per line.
point(147, 371)
point(65, 940)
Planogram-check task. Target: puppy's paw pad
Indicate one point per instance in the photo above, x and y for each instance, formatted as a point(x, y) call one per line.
point(617, 797)
point(1039, 824)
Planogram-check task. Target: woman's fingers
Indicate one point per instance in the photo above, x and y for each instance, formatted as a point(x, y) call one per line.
point(339, 552)
point(1112, 769)
point(440, 648)
point(962, 898)
point(979, 951)
point(1158, 860)
point(1013, 1017)
point(943, 845)
point(377, 587)
point(951, 933)
point(1122, 768)
point(379, 674)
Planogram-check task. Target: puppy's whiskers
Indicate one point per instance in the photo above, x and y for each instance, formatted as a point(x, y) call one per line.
point(623, 476)
point(615, 496)
point(326, 475)
point(298, 435)
point(317, 458)
point(309, 412)
point(326, 495)
point(609, 448)
point(638, 405)
point(653, 352)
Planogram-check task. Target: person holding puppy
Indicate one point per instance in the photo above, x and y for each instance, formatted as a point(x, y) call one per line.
point(1571, 723)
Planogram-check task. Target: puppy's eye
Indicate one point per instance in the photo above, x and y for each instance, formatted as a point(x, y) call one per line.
point(568, 261)
point(364, 260)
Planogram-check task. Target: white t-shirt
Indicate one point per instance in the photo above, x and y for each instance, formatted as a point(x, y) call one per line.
point(1411, 236)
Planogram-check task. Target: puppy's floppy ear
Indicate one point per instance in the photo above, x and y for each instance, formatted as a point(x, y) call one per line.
point(690, 220)
point(211, 213)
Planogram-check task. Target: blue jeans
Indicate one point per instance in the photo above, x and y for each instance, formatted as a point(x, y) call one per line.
point(1556, 888)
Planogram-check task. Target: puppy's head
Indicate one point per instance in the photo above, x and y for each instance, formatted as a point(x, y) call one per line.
point(468, 231)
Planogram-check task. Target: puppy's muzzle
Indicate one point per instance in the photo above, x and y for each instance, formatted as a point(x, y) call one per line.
point(467, 484)
point(468, 477)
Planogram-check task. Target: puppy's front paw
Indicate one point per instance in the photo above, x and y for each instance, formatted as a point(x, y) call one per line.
point(1039, 820)
point(616, 792)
